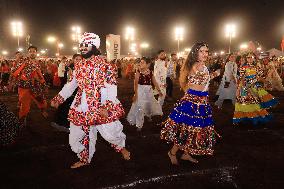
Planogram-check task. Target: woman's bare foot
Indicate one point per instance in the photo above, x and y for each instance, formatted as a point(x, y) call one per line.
point(188, 157)
point(78, 164)
point(173, 158)
point(125, 153)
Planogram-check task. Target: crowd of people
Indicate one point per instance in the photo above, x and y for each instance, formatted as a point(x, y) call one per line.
point(57, 70)
point(88, 101)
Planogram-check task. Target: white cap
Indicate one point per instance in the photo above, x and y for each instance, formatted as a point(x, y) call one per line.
point(90, 39)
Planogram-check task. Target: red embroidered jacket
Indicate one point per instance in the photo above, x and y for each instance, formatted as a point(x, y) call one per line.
point(94, 77)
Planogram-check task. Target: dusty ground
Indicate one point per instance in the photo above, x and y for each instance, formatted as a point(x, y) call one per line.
point(245, 157)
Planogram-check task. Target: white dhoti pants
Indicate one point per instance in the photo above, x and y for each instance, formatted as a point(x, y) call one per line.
point(111, 132)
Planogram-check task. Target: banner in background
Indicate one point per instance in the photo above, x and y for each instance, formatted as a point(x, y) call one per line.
point(113, 47)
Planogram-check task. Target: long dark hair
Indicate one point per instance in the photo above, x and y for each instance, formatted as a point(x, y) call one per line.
point(191, 59)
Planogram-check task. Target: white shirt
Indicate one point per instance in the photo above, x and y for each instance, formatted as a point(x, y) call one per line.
point(171, 69)
point(61, 69)
point(160, 72)
point(230, 70)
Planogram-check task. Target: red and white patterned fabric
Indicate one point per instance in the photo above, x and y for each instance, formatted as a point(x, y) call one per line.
point(96, 80)
point(91, 76)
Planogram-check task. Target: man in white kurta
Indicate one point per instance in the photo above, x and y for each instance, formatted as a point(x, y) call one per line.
point(160, 73)
point(95, 107)
point(228, 91)
point(171, 75)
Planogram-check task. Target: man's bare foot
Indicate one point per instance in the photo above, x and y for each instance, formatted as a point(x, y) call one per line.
point(188, 157)
point(173, 158)
point(78, 164)
point(125, 153)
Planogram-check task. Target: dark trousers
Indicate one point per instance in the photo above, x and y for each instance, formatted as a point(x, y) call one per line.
point(63, 110)
point(169, 87)
point(63, 81)
point(5, 79)
point(48, 79)
point(119, 73)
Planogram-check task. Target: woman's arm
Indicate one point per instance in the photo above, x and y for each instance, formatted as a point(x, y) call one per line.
point(136, 80)
point(156, 85)
point(183, 77)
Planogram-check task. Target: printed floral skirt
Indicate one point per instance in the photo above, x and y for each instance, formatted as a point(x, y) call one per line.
point(252, 104)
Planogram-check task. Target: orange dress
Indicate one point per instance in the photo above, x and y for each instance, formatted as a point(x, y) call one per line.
point(31, 85)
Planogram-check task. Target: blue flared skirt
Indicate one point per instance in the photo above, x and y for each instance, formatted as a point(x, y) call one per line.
point(193, 110)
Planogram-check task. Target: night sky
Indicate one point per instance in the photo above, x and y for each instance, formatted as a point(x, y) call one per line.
point(257, 20)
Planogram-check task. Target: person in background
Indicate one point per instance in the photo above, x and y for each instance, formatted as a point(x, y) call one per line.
point(252, 100)
point(61, 71)
point(5, 70)
point(228, 86)
point(144, 102)
point(171, 75)
point(31, 84)
point(160, 74)
point(190, 125)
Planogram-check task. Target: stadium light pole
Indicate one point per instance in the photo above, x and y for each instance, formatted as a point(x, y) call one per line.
point(230, 33)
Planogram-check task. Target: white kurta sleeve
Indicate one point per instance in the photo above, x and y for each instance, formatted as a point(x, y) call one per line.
point(69, 88)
